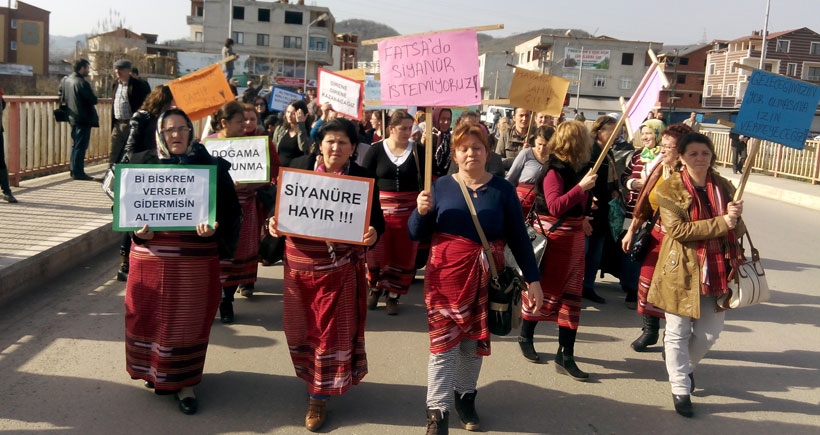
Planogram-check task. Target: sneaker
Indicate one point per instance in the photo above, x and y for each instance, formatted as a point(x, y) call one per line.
point(392, 306)
point(373, 298)
point(9, 198)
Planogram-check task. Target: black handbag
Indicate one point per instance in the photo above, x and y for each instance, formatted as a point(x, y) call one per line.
point(61, 113)
point(505, 287)
point(640, 242)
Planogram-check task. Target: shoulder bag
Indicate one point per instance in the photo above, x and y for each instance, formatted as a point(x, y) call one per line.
point(505, 287)
point(747, 283)
point(640, 242)
point(61, 112)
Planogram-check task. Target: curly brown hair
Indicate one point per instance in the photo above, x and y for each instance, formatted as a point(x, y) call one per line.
point(158, 100)
point(571, 144)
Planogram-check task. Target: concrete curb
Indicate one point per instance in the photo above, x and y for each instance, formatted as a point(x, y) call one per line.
point(790, 197)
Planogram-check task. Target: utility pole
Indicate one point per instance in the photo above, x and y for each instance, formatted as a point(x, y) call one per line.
point(495, 91)
point(230, 19)
point(580, 71)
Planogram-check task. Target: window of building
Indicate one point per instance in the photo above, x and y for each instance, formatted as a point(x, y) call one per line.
point(599, 82)
point(199, 11)
point(681, 79)
point(814, 48)
point(198, 37)
point(238, 12)
point(290, 68)
point(293, 42)
point(782, 46)
point(13, 24)
point(238, 37)
point(263, 15)
point(730, 90)
point(13, 45)
point(791, 69)
point(732, 68)
point(626, 83)
point(768, 67)
point(292, 17)
point(262, 39)
point(712, 68)
point(318, 43)
point(683, 61)
point(813, 74)
point(627, 58)
point(709, 91)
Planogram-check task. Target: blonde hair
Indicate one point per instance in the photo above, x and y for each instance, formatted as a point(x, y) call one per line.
point(571, 144)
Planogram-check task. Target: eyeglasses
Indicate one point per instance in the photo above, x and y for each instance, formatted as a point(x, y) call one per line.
point(177, 130)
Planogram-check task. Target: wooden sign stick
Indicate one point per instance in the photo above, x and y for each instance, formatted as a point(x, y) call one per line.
point(430, 149)
point(747, 169)
point(629, 134)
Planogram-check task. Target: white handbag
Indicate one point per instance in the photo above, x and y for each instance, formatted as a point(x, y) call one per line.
point(748, 286)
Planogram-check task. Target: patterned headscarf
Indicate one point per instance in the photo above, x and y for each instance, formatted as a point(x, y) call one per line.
point(442, 154)
point(163, 152)
point(657, 126)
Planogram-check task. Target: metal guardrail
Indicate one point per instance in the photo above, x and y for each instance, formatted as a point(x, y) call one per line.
point(37, 145)
point(775, 159)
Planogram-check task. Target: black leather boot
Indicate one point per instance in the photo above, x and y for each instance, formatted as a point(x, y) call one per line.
point(565, 365)
point(683, 404)
point(649, 336)
point(438, 422)
point(122, 273)
point(226, 312)
point(465, 407)
point(525, 341)
point(589, 294)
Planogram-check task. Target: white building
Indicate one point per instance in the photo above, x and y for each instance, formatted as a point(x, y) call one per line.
point(607, 68)
point(276, 36)
point(494, 75)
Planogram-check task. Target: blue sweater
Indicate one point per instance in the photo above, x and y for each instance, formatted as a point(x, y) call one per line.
point(498, 210)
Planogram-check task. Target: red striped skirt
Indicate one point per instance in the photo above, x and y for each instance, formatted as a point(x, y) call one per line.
point(171, 298)
point(455, 292)
point(324, 313)
point(562, 274)
point(391, 264)
point(647, 270)
point(242, 268)
point(526, 194)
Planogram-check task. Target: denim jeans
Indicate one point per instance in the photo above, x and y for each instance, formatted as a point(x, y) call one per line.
point(592, 261)
point(81, 135)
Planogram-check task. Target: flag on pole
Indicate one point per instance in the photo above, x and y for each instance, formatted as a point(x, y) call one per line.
point(646, 97)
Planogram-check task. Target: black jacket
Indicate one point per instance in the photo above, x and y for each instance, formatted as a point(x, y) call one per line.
point(80, 99)
point(137, 91)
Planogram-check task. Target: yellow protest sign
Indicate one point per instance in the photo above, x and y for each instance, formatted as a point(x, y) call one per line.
point(201, 92)
point(353, 74)
point(538, 92)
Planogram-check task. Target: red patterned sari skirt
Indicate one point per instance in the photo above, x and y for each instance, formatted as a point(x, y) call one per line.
point(562, 274)
point(391, 262)
point(526, 194)
point(647, 270)
point(171, 298)
point(324, 313)
point(242, 268)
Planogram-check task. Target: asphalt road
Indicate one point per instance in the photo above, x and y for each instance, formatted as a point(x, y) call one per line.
point(63, 369)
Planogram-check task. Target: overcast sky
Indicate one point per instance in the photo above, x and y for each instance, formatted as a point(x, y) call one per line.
point(679, 22)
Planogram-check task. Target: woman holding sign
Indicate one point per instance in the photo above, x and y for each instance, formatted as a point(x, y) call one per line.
point(325, 289)
point(240, 271)
point(396, 163)
point(457, 275)
point(562, 199)
point(173, 288)
point(696, 255)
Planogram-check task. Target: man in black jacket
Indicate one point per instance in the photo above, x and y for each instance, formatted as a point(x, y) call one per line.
point(80, 100)
point(129, 93)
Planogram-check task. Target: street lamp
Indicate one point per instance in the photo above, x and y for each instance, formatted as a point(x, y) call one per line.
point(307, 47)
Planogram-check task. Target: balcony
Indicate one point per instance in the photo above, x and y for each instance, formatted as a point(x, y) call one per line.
point(194, 20)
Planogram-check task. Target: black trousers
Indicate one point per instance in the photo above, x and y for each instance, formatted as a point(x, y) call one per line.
point(739, 154)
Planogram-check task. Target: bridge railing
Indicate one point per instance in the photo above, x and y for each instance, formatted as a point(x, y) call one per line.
point(36, 145)
point(775, 159)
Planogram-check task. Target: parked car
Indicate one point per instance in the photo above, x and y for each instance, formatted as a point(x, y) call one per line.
point(488, 116)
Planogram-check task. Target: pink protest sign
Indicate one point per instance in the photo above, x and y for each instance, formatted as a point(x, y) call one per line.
point(437, 69)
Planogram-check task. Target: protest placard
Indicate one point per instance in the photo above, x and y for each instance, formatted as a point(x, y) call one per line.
point(165, 197)
point(249, 157)
point(436, 69)
point(344, 94)
point(353, 74)
point(645, 98)
point(201, 92)
point(322, 206)
point(778, 109)
point(280, 98)
point(538, 92)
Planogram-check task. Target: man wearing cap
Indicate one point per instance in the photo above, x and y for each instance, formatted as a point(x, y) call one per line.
point(129, 94)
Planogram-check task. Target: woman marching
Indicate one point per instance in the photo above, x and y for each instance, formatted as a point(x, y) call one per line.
point(646, 207)
point(292, 137)
point(325, 289)
point(700, 248)
point(457, 274)
point(561, 202)
point(528, 165)
point(395, 162)
point(173, 288)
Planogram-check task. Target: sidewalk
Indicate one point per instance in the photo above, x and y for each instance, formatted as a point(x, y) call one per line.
point(57, 224)
point(60, 223)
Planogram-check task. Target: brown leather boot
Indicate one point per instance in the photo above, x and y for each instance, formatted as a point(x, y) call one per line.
point(316, 414)
point(438, 422)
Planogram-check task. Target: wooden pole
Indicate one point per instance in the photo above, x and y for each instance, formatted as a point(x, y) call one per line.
point(747, 169)
point(629, 134)
point(429, 149)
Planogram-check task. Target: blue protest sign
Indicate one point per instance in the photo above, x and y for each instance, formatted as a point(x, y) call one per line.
point(281, 97)
point(778, 109)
